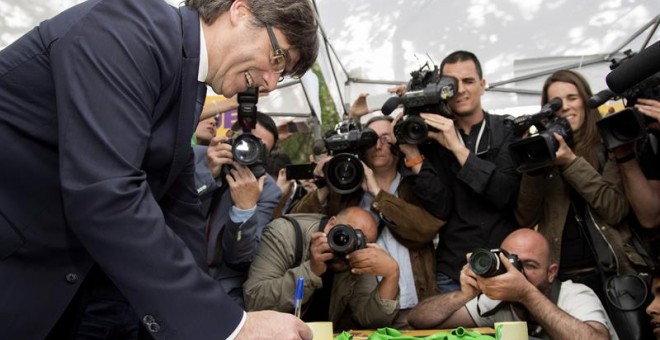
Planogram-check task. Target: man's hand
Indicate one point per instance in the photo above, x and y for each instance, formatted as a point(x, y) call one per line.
point(218, 154)
point(274, 325)
point(511, 286)
point(468, 279)
point(286, 185)
point(359, 107)
point(319, 252)
point(369, 183)
point(245, 189)
point(321, 193)
point(446, 134)
point(649, 107)
point(564, 154)
point(373, 260)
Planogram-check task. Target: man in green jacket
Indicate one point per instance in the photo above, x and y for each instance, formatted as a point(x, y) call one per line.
point(359, 289)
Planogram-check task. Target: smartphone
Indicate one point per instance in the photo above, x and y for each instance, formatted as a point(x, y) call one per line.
point(300, 171)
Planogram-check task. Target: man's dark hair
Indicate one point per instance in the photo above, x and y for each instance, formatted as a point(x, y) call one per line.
point(460, 55)
point(267, 122)
point(276, 161)
point(378, 118)
point(295, 18)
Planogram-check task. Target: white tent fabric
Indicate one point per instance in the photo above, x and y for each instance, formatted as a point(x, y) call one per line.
point(376, 43)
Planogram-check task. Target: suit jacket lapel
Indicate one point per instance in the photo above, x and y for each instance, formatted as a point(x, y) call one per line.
point(189, 70)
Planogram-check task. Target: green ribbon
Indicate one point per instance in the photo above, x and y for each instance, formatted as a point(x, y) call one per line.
point(387, 333)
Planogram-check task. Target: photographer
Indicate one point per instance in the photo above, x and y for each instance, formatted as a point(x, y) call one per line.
point(342, 287)
point(237, 204)
point(398, 197)
point(653, 309)
point(473, 150)
point(581, 192)
point(641, 177)
point(572, 312)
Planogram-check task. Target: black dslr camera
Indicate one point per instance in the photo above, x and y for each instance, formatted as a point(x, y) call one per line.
point(246, 148)
point(538, 151)
point(344, 172)
point(486, 263)
point(629, 80)
point(427, 91)
point(343, 239)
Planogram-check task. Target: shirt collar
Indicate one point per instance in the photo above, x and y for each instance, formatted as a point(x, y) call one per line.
point(203, 55)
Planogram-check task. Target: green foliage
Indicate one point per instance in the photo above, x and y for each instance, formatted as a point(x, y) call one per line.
point(299, 146)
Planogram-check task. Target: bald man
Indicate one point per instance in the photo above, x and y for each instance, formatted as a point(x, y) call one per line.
point(514, 295)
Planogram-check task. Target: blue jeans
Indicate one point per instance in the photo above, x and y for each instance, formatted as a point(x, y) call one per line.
point(446, 284)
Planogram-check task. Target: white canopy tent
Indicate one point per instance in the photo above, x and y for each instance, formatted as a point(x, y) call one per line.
point(371, 45)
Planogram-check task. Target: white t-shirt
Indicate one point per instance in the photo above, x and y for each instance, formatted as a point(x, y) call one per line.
point(576, 299)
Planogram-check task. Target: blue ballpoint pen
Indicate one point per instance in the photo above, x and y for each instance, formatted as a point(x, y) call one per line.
point(297, 300)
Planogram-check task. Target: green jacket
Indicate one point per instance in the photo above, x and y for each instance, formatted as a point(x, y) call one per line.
point(545, 200)
point(272, 279)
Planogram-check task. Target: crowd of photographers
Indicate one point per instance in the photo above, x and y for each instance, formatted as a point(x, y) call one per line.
point(448, 215)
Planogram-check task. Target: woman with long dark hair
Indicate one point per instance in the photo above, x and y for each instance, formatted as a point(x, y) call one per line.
point(581, 192)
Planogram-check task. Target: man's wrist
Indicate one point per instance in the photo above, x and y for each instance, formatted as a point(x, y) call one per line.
point(626, 158)
point(412, 161)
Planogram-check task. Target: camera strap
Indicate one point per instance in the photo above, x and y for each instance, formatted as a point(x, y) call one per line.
point(299, 246)
point(298, 252)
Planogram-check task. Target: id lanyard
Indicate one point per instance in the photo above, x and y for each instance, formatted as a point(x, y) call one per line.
point(481, 133)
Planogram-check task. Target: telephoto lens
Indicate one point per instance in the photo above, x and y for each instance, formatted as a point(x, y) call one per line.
point(486, 263)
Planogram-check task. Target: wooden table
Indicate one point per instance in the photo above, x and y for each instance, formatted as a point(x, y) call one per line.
point(361, 334)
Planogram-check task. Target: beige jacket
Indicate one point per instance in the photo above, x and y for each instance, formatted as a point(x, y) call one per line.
point(272, 279)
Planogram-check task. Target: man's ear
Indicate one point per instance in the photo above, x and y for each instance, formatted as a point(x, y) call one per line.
point(238, 10)
point(553, 269)
point(331, 223)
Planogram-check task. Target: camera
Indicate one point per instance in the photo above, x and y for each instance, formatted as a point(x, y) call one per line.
point(538, 151)
point(343, 239)
point(486, 263)
point(344, 172)
point(246, 148)
point(427, 91)
point(632, 77)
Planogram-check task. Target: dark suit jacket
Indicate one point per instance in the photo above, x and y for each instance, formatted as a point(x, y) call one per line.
point(96, 116)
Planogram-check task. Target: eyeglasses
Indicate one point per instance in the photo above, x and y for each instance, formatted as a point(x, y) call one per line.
point(386, 140)
point(278, 59)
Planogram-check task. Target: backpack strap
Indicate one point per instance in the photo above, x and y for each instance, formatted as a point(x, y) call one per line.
point(299, 240)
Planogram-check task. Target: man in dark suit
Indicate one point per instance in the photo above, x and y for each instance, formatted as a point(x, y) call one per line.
point(99, 219)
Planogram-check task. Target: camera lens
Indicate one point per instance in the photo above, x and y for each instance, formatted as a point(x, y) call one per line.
point(343, 239)
point(413, 130)
point(344, 173)
point(247, 149)
point(485, 263)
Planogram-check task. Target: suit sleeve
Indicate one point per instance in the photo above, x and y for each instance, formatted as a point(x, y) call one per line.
point(108, 80)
